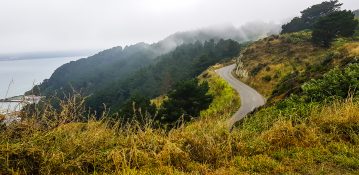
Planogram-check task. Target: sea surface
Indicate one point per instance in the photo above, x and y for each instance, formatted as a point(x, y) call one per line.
point(19, 76)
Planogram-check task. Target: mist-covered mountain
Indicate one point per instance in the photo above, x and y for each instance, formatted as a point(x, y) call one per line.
point(109, 70)
point(356, 13)
point(248, 32)
point(185, 62)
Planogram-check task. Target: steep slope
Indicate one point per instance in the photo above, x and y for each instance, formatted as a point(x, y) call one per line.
point(250, 98)
point(89, 74)
point(185, 62)
point(277, 65)
point(101, 70)
point(296, 139)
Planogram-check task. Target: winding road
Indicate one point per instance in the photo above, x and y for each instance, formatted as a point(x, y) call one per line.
point(250, 98)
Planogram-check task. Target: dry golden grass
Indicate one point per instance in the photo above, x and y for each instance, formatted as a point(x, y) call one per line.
point(352, 48)
point(48, 141)
point(2, 117)
point(288, 53)
point(326, 141)
point(284, 135)
point(159, 100)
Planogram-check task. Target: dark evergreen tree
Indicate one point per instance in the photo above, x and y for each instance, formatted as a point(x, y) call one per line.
point(341, 23)
point(296, 24)
point(310, 16)
point(186, 100)
point(319, 10)
point(137, 107)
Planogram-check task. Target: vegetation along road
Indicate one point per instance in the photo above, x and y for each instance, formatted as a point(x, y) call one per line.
point(250, 98)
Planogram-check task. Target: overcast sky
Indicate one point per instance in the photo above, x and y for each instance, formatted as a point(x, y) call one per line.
point(48, 25)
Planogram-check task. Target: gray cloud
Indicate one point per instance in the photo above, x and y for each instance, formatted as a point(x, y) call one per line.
point(47, 25)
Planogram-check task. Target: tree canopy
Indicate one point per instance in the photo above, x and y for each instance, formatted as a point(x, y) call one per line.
point(185, 62)
point(340, 23)
point(310, 15)
point(138, 107)
point(186, 100)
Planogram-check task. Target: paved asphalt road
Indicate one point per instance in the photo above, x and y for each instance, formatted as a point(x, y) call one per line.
point(250, 98)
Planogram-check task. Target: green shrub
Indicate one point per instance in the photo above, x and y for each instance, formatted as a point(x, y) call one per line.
point(258, 68)
point(287, 83)
point(267, 78)
point(334, 84)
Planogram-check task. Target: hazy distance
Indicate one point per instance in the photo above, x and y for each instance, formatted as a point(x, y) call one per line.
point(67, 25)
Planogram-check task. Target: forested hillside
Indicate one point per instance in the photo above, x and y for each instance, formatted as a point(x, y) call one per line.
point(185, 62)
point(89, 74)
point(112, 76)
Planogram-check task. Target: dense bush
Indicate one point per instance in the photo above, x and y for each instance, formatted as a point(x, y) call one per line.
point(296, 37)
point(336, 83)
point(287, 84)
point(267, 78)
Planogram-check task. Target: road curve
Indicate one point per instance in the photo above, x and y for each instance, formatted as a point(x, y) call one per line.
point(250, 98)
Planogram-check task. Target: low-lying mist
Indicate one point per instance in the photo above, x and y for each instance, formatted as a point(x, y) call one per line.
point(248, 32)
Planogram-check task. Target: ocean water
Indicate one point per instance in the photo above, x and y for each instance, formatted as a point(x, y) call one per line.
point(19, 76)
point(6, 107)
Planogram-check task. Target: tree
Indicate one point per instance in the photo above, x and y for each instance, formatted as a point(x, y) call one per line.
point(356, 13)
point(310, 15)
point(187, 99)
point(341, 23)
point(296, 24)
point(319, 10)
point(137, 107)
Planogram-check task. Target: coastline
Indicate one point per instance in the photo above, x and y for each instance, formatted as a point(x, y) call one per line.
point(13, 106)
point(19, 76)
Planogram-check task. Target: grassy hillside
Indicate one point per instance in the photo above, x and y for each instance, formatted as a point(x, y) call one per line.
point(279, 64)
point(54, 146)
point(294, 138)
point(312, 131)
point(310, 124)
